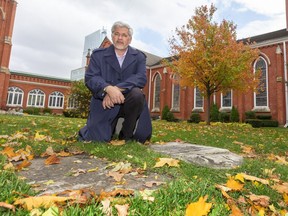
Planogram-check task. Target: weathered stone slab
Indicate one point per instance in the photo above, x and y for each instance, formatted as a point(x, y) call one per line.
point(201, 155)
point(58, 177)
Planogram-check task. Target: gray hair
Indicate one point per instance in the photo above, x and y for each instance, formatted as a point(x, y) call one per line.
point(122, 25)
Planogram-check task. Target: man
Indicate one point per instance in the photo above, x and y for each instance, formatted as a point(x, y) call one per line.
point(115, 76)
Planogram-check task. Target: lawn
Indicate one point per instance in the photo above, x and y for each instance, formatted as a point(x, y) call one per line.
point(258, 187)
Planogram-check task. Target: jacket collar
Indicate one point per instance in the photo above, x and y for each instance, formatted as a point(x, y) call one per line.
point(111, 59)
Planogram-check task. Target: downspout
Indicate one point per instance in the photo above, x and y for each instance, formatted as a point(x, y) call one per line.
point(149, 89)
point(286, 81)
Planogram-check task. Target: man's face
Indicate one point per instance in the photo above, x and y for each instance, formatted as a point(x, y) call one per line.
point(121, 39)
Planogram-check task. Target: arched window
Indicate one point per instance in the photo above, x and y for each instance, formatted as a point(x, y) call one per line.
point(261, 96)
point(156, 98)
point(56, 100)
point(36, 98)
point(175, 93)
point(15, 96)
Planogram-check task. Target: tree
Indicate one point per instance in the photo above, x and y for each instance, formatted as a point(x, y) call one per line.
point(208, 55)
point(82, 95)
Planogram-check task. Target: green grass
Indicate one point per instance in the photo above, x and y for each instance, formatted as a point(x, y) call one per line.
point(189, 181)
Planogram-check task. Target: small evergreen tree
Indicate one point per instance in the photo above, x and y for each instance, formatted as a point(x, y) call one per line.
point(234, 117)
point(165, 112)
point(214, 113)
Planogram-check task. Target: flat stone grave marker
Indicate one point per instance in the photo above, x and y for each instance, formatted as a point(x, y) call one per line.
point(201, 155)
point(56, 178)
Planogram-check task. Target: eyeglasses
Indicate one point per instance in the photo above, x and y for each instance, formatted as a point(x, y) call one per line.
point(117, 34)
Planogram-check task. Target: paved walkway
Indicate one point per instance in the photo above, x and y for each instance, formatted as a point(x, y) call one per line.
point(83, 171)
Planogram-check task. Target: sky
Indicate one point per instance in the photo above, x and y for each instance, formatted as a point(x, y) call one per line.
point(48, 35)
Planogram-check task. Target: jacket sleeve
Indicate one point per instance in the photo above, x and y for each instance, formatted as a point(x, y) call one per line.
point(93, 77)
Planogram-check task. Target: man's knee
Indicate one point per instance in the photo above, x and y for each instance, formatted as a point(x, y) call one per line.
point(135, 96)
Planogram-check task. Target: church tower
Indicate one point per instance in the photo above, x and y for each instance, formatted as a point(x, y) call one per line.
point(7, 17)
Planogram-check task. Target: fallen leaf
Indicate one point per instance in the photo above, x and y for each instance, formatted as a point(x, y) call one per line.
point(49, 151)
point(49, 182)
point(116, 175)
point(8, 206)
point(259, 200)
point(253, 178)
point(22, 165)
point(52, 211)
point(42, 201)
point(77, 161)
point(285, 197)
point(234, 185)
point(9, 166)
point(63, 154)
point(281, 188)
point(106, 209)
point(122, 168)
point(39, 137)
point(93, 170)
point(53, 159)
point(169, 161)
point(122, 210)
point(78, 172)
point(147, 195)
point(117, 142)
point(116, 192)
point(199, 208)
point(150, 184)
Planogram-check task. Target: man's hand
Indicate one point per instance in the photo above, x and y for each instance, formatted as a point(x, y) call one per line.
point(115, 94)
point(107, 103)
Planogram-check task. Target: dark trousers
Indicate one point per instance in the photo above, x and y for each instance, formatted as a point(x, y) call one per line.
point(130, 110)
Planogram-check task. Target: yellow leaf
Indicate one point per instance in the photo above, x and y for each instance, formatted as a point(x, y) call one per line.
point(39, 137)
point(144, 166)
point(42, 201)
point(49, 182)
point(93, 170)
point(285, 197)
point(234, 185)
point(24, 164)
point(169, 161)
point(253, 178)
point(52, 211)
point(199, 208)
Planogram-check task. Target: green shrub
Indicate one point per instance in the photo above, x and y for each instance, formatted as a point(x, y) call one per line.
point(72, 113)
point(264, 117)
point(32, 110)
point(214, 113)
point(256, 123)
point(234, 117)
point(165, 112)
point(224, 117)
point(170, 117)
point(194, 118)
point(250, 115)
point(270, 123)
point(46, 111)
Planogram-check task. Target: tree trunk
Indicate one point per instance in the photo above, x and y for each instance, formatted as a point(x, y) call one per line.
point(208, 109)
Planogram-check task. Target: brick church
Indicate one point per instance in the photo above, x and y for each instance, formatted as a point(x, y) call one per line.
point(22, 89)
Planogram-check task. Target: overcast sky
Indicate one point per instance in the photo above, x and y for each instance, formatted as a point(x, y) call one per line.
point(48, 36)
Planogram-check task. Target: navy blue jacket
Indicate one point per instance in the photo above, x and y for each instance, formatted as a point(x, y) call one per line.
point(104, 70)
